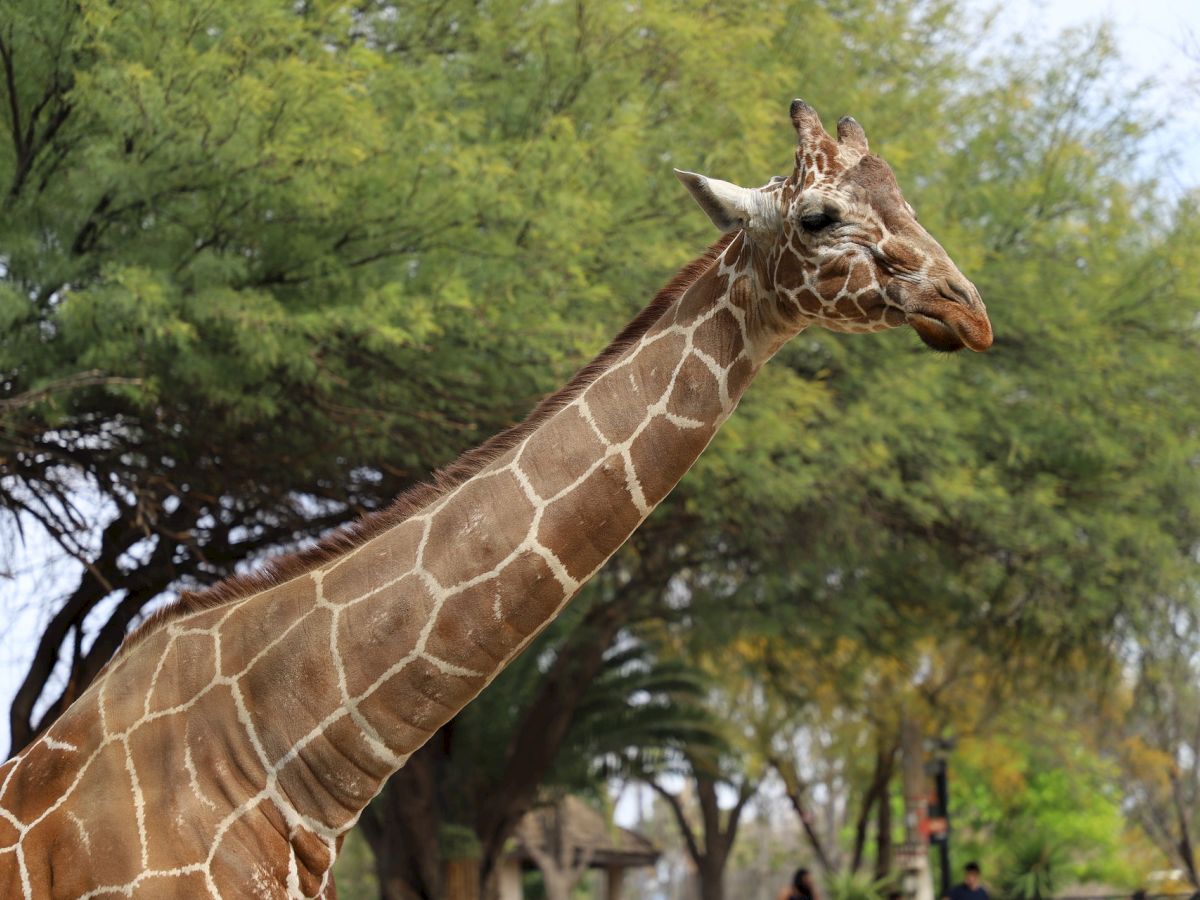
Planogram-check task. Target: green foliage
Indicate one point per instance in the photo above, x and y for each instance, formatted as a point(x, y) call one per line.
point(264, 264)
point(855, 886)
point(1036, 804)
point(458, 842)
point(1034, 870)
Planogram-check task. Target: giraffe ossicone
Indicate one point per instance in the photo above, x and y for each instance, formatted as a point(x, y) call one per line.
point(237, 736)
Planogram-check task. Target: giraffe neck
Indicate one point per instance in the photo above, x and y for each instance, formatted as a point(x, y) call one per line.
point(414, 623)
point(268, 723)
point(429, 612)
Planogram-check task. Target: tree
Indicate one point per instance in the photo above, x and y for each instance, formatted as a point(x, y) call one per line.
point(236, 239)
point(200, 258)
point(1157, 716)
point(710, 842)
point(240, 238)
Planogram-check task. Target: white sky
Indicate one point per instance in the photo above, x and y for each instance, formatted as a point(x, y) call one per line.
point(1151, 34)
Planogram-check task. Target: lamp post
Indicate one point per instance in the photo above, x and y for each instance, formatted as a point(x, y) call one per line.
point(939, 809)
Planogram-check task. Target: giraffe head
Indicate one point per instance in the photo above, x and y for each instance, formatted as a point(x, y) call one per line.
point(836, 244)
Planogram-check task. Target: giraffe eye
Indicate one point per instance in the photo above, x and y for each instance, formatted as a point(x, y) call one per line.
point(816, 221)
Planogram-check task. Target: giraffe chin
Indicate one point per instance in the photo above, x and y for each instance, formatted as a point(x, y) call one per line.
point(937, 334)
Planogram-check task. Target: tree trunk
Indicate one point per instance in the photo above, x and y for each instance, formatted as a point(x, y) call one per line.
point(876, 800)
point(95, 583)
point(870, 798)
point(402, 824)
point(795, 794)
point(1187, 855)
point(883, 832)
point(712, 879)
point(712, 852)
point(916, 855)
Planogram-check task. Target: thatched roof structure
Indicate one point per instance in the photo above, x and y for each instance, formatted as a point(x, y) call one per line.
point(573, 826)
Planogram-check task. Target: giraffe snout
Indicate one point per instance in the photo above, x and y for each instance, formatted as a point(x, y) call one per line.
point(951, 316)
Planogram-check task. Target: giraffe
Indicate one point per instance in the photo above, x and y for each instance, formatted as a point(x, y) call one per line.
point(238, 735)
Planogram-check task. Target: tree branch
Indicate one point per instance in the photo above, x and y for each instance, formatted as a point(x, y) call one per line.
point(685, 829)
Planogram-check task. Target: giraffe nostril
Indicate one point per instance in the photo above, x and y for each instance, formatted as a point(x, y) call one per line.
point(957, 290)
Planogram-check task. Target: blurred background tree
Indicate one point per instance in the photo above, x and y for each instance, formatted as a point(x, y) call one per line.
point(264, 265)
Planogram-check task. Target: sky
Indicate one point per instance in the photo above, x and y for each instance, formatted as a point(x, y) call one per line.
point(1151, 35)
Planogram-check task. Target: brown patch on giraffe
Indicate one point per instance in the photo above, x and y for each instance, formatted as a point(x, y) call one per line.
point(251, 860)
point(567, 447)
point(847, 307)
point(696, 394)
point(496, 615)
point(123, 706)
point(310, 851)
point(189, 667)
point(160, 886)
point(393, 551)
point(110, 854)
point(459, 531)
point(893, 316)
point(335, 775)
point(528, 594)
point(9, 834)
point(253, 626)
point(79, 725)
point(741, 373)
point(901, 253)
point(417, 701)
point(383, 627)
point(720, 337)
point(655, 478)
point(49, 771)
point(808, 301)
point(790, 271)
point(226, 763)
point(188, 804)
point(859, 278)
point(297, 675)
point(734, 250)
point(618, 400)
point(698, 298)
point(313, 857)
point(741, 292)
point(583, 530)
point(420, 496)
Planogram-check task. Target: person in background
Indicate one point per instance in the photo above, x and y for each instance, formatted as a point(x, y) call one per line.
point(970, 889)
point(801, 887)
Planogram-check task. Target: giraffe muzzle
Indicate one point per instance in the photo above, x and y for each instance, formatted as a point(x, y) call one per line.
point(953, 319)
point(951, 328)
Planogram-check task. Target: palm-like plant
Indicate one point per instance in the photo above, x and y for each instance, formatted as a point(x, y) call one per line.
point(855, 886)
point(640, 714)
point(1035, 868)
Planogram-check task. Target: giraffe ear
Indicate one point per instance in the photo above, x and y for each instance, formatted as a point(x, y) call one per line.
point(727, 205)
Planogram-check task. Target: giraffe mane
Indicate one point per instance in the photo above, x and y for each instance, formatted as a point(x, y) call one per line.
point(354, 534)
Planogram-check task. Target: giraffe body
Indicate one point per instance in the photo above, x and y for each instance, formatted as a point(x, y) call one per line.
point(226, 751)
